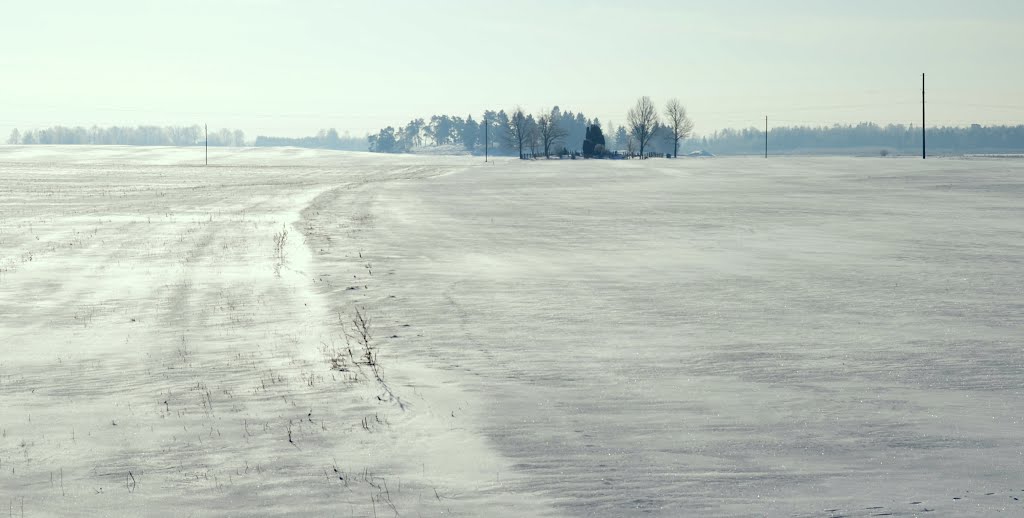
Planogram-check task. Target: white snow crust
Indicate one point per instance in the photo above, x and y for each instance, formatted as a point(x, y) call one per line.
point(724, 337)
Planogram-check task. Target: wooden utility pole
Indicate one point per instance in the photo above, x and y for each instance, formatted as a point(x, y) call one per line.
point(924, 153)
point(206, 133)
point(766, 136)
point(487, 128)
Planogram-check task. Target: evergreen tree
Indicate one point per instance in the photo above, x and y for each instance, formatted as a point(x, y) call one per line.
point(470, 132)
point(385, 141)
point(502, 135)
point(593, 144)
point(621, 138)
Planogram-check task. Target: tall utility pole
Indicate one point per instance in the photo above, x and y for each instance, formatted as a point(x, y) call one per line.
point(487, 128)
point(206, 133)
point(924, 153)
point(766, 136)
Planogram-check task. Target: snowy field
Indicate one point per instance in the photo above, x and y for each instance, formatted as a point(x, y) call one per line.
point(722, 337)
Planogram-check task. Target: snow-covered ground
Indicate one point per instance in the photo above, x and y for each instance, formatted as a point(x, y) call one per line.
point(725, 337)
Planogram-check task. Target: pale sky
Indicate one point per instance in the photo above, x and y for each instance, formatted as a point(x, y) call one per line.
point(291, 67)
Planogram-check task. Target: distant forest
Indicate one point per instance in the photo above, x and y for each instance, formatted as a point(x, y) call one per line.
point(864, 139)
point(176, 136)
point(565, 133)
point(128, 136)
point(324, 139)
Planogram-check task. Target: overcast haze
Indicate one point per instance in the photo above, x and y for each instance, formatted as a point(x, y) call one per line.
point(289, 68)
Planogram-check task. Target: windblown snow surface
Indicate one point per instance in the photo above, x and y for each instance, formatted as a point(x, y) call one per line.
point(722, 337)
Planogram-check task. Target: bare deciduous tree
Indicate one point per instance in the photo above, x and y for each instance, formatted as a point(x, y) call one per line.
point(679, 124)
point(550, 131)
point(642, 120)
point(520, 129)
point(532, 136)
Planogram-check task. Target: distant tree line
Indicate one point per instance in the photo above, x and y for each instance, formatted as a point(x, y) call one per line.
point(546, 133)
point(176, 136)
point(863, 138)
point(127, 136)
point(554, 132)
point(324, 139)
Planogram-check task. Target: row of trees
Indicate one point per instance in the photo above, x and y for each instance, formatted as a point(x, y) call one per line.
point(864, 138)
point(496, 132)
point(545, 133)
point(128, 136)
point(549, 132)
point(644, 124)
